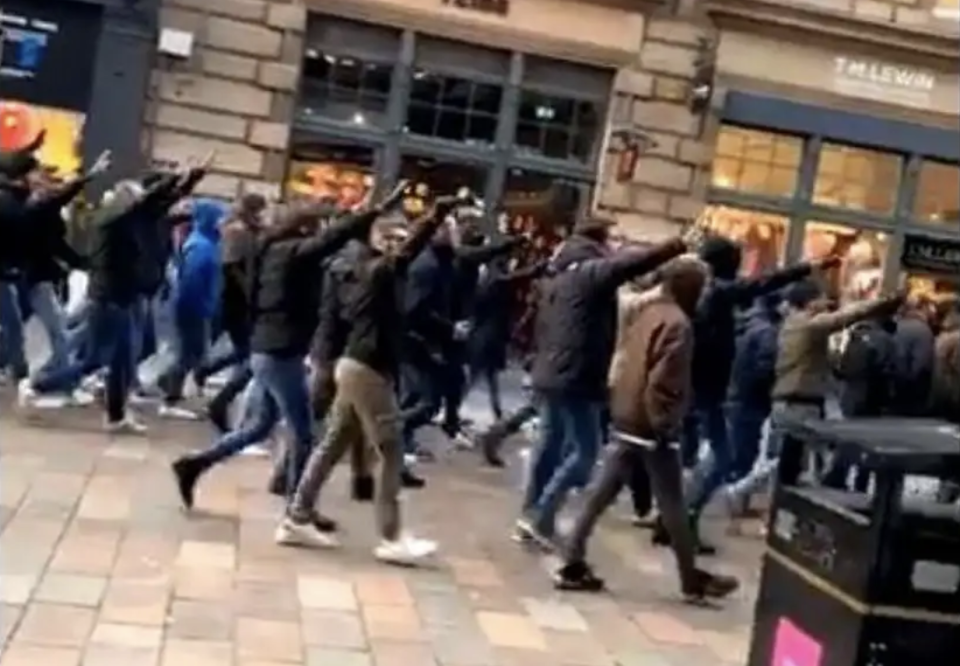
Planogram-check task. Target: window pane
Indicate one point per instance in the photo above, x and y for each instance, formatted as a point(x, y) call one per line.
point(346, 89)
point(757, 162)
point(762, 236)
point(453, 108)
point(938, 193)
point(344, 173)
point(556, 127)
point(857, 178)
point(863, 253)
point(430, 177)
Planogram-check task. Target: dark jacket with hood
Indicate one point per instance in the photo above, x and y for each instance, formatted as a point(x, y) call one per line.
point(339, 277)
point(238, 246)
point(155, 244)
point(17, 212)
point(755, 362)
point(115, 259)
point(867, 369)
point(430, 300)
point(915, 345)
point(576, 326)
point(714, 324)
point(286, 282)
point(491, 319)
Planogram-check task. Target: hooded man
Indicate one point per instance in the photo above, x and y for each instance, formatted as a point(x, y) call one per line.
point(649, 394)
point(196, 301)
point(714, 327)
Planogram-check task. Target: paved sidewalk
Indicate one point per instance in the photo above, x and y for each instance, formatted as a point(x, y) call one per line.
point(101, 568)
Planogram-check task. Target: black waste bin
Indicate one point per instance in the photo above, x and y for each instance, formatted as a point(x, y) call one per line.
point(855, 579)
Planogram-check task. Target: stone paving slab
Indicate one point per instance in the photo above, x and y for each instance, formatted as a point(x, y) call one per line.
point(100, 567)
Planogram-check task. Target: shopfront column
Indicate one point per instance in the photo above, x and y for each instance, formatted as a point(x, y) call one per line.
point(388, 165)
point(506, 130)
point(121, 72)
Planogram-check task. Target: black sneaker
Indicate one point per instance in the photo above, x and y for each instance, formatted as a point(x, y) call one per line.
point(187, 471)
point(363, 489)
point(323, 524)
point(411, 481)
point(489, 444)
point(577, 577)
point(709, 586)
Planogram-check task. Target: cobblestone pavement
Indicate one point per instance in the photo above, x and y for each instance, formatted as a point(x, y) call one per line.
point(101, 568)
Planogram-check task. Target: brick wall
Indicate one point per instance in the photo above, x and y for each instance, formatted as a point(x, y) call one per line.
point(667, 186)
point(235, 95)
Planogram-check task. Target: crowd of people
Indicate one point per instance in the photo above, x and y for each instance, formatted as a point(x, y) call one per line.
point(357, 328)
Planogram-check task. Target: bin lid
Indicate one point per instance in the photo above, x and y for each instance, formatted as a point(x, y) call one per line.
point(913, 446)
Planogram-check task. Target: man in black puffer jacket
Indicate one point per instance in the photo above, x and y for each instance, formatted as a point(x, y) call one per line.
point(575, 336)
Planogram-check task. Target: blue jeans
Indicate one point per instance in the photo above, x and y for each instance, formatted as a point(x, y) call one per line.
point(46, 307)
point(110, 331)
point(12, 352)
point(285, 394)
point(708, 419)
point(421, 397)
point(192, 339)
point(746, 432)
point(570, 440)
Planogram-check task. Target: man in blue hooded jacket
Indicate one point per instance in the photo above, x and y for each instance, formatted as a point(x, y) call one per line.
point(195, 302)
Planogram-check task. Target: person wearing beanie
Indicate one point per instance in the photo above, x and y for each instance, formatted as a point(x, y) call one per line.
point(714, 327)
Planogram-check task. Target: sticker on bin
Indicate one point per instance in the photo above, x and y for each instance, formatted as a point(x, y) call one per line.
point(794, 647)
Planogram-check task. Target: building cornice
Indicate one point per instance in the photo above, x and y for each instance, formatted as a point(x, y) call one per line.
point(808, 21)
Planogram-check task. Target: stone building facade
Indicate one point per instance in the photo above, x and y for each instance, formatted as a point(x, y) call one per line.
point(237, 95)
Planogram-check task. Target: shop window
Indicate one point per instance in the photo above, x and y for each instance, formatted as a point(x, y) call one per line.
point(431, 177)
point(559, 127)
point(757, 162)
point(343, 173)
point(857, 178)
point(345, 88)
point(453, 108)
point(762, 236)
point(938, 193)
point(863, 252)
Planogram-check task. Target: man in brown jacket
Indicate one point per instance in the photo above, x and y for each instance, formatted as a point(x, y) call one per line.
point(649, 397)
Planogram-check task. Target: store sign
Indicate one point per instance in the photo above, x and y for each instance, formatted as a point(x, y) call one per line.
point(882, 81)
point(47, 52)
point(498, 7)
point(933, 255)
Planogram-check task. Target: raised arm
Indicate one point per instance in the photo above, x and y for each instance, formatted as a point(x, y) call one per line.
point(848, 315)
point(610, 274)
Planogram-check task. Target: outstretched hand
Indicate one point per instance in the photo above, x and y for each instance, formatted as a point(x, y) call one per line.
point(395, 197)
point(102, 163)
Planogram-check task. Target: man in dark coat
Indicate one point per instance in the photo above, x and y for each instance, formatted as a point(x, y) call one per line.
point(714, 328)
point(575, 336)
point(915, 342)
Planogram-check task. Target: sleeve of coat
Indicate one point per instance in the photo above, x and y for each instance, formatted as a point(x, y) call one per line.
point(668, 381)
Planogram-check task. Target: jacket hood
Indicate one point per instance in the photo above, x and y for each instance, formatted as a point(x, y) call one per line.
point(207, 215)
point(722, 255)
point(576, 250)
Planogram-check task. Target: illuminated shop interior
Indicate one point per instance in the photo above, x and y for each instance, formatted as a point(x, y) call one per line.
point(855, 203)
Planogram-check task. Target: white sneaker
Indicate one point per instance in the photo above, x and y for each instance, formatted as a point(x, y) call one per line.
point(80, 398)
point(290, 533)
point(127, 426)
point(141, 398)
point(26, 396)
point(177, 413)
point(462, 442)
point(406, 551)
point(257, 451)
point(93, 384)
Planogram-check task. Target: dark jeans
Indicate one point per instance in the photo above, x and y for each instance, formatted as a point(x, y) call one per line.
point(746, 432)
point(453, 389)
point(193, 337)
point(490, 376)
point(708, 418)
point(421, 397)
point(109, 344)
point(570, 440)
point(285, 395)
point(661, 466)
